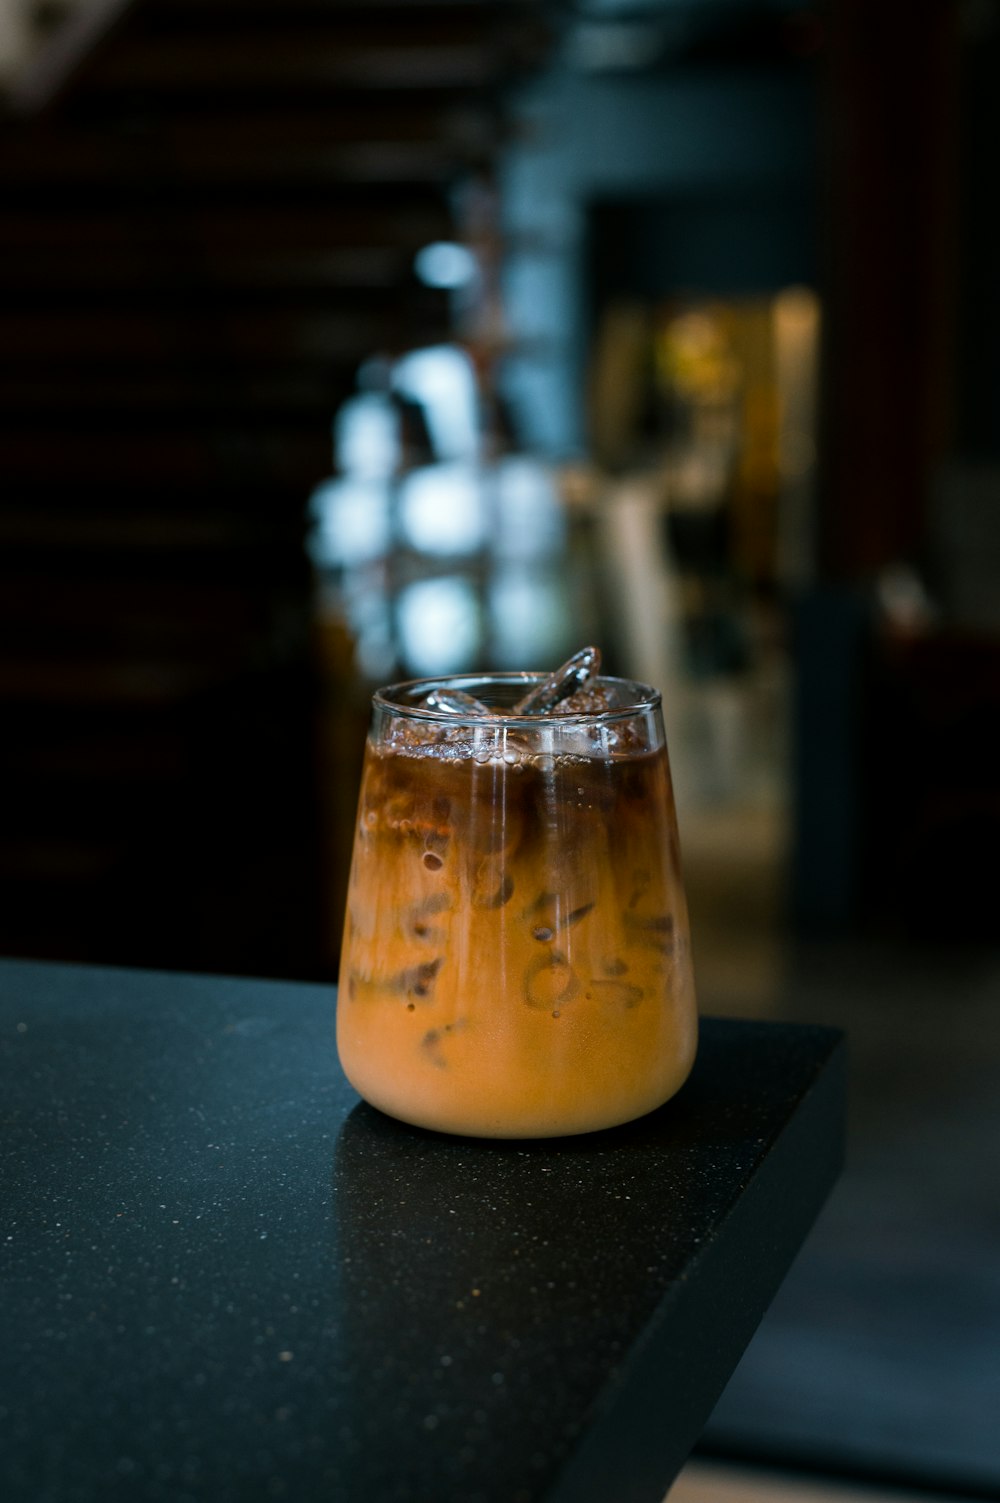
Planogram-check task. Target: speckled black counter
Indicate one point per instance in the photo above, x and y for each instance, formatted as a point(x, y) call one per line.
point(225, 1279)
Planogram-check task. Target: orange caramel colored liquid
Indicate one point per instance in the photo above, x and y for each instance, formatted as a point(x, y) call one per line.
point(516, 956)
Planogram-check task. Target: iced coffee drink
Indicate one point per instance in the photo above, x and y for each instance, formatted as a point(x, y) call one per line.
point(516, 958)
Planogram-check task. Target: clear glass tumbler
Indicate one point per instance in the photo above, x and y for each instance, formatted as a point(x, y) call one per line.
point(516, 959)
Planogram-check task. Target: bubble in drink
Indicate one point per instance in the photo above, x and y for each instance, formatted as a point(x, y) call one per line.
point(534, 978)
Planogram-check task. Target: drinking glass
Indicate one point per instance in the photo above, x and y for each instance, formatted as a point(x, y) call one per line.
point(516, 958)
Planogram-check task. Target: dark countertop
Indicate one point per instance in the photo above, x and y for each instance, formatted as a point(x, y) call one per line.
point(224, 1278)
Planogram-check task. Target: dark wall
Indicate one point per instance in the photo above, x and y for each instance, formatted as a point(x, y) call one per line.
point(978, 342)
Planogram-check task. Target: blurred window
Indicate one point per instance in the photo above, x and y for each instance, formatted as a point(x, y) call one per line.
point(439, 625)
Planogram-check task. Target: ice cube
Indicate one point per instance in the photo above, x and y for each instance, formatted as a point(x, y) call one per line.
point(619, 994)
point(551, 913)
point(557, 910)
point(492, 887)
point(592, 699)
point(652, 933)
point(568, 678)
point(418, 921)
point(416, 982)
point(641, 879)
point(454, 702)
point(550, 981)
point(433, 1039)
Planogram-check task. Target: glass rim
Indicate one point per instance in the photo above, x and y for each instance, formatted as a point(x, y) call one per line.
point(646, 698)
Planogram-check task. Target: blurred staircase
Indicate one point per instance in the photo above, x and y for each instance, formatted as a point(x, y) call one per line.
point(209, 211)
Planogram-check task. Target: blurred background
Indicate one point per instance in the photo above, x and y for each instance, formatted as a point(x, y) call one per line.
point(351, 340)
